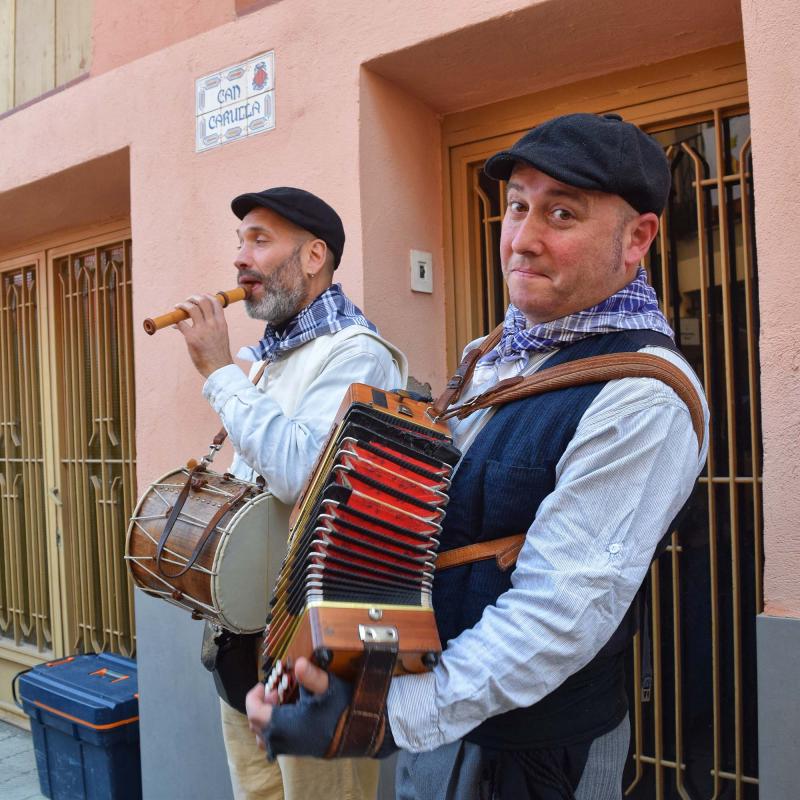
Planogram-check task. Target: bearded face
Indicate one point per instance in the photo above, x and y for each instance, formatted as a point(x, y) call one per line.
point(283, 290)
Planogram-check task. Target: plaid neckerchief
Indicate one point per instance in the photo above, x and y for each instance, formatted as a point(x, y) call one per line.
point(634, 307)
point(331, 312)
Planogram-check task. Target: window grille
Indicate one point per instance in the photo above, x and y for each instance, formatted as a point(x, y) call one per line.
point(94, 346)
point(24, 585)
point(67, 451)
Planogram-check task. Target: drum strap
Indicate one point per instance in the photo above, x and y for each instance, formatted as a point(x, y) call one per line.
point(191, 482)
point(209, 529)
point(222, 434)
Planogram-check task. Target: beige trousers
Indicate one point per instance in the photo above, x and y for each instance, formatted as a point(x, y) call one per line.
point(291, 778)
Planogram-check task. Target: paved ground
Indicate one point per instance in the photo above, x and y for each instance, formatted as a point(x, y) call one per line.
point(18, 777)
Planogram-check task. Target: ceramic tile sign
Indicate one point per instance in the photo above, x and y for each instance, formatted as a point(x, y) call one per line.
point(235, 102)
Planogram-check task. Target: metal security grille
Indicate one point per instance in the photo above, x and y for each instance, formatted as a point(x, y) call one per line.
point(699, 734)
point(24, 586)
point(696, 736)
point(92, 299)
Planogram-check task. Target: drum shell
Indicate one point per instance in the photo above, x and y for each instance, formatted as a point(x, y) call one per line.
point(231, 582)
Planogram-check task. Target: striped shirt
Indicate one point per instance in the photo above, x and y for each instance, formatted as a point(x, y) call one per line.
point(621, 481)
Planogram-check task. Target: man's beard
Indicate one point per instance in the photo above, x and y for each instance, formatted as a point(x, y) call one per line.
point(284, 292)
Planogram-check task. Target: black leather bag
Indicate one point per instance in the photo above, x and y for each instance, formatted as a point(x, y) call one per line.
point(232, 658)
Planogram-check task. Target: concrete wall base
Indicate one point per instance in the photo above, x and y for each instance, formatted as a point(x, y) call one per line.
point(778, 706)
point(182, 750)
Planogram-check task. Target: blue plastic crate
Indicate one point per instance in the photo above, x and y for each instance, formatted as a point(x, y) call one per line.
point(84, 714)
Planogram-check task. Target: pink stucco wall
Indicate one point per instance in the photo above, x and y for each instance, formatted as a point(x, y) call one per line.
point(360, 90)
point(401, 209)
point(125, 31)
point(772, 40)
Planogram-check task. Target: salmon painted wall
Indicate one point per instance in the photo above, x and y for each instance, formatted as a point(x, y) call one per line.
point(125, 31)
point(772, 40)
point(360, 91)
point(401, 210)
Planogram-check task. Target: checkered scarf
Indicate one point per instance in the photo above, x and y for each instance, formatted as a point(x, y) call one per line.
point(634, 307)
point(331, 312)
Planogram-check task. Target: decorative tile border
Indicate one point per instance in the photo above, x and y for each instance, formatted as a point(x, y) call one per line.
point(235, 102)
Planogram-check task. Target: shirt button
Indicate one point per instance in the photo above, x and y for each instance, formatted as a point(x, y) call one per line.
point(614, 548)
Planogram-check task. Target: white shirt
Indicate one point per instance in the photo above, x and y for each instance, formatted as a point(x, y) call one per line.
point(621, 481)
point(278, 428)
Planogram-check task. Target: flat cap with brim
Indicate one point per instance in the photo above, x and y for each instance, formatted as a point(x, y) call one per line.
point(300, 207)
point(588, 151)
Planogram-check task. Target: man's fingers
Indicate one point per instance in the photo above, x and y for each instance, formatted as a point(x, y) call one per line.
point(201, 306)
point(208, 304)
point(271, 697)
point(311, 677)
point(259, 711)
point(254, 699)
point(215, 307)
point(192, 309)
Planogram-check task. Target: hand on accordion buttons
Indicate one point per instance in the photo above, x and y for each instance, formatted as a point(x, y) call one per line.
point(308, 727)
point(304, 728)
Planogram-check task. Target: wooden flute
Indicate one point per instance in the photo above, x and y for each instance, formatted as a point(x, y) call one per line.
point(151, 325)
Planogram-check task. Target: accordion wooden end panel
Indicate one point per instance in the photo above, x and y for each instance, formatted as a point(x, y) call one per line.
point(335, 636)
point(363, 541)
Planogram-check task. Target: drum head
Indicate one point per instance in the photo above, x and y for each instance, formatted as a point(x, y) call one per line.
point(247, 564)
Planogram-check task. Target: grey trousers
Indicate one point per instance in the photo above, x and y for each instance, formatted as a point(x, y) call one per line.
point(453, 772)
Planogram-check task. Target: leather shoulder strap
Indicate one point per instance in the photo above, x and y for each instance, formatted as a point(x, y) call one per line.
point(222, 434)
point(596, 369)
point(464, 372)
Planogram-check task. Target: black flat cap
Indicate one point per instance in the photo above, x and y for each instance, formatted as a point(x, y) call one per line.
point(304, 209)
point(593, 152)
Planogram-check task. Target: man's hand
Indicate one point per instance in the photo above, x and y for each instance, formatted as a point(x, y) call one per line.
point(259, 706)
point(259, 710)
point(206, 333)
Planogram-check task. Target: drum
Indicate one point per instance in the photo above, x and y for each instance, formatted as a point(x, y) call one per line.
point(209, 543)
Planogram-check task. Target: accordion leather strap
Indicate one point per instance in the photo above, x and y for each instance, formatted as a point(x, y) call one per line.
point(464, 372)
point(361, 728)
point(596, 369)
point(504, 550)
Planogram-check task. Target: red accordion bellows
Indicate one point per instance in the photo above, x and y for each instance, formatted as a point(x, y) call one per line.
point(363, 541)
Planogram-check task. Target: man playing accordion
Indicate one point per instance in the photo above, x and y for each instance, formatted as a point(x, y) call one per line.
point(528, 699)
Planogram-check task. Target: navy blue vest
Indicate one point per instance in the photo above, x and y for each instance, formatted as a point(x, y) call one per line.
point(502, 479)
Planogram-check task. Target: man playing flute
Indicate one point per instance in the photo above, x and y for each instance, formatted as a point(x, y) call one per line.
point(316, 343)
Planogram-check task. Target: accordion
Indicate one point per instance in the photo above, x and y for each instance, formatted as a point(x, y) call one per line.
point(362, 544)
